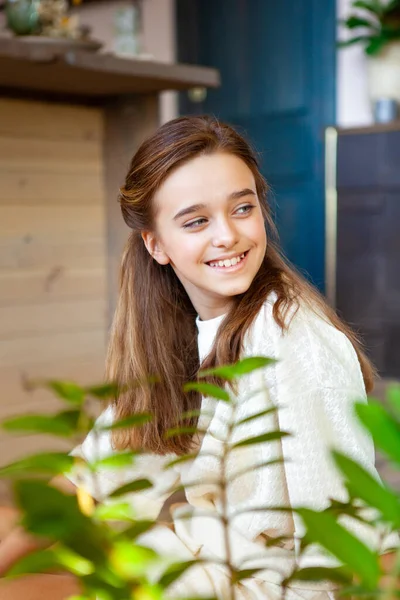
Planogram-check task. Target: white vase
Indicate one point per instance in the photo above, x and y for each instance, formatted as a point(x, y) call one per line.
point(384, 73)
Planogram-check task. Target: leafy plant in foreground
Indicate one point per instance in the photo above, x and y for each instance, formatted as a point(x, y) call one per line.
point(100, 544)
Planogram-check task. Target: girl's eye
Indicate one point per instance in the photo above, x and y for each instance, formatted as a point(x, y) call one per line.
point(242, 210)
point(245, 210)
point(193, 224)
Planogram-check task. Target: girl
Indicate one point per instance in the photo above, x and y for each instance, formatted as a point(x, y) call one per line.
point(203, 283)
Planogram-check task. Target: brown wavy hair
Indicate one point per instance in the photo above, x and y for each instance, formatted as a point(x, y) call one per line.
point(154, 330)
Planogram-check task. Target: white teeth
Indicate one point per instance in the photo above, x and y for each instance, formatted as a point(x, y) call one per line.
point(227, 262)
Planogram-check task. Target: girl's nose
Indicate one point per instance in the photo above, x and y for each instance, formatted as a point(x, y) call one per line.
point(224, 235)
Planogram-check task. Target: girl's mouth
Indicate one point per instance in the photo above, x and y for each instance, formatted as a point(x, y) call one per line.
point(229, 265)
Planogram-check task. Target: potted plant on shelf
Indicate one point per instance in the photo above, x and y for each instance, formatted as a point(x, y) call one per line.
point(376, 25)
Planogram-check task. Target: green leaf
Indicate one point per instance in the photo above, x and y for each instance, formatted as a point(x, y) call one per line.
point(174, 431)
point(244, 574)
point(209, 390)
point(354, 22)
point(174, 571)
point(69, 391)
point(338, 575)
point(148, 591)
point(66, 390)
point(242, 367)
point(63, 424)
point(138, 528)
point(114, 512)
point(268, 463)
point(73, 562)
point(362, 485)
point(36, 562)
point(105, 391)
point(393, 397)
point(338, 508)
point(257, 416)
point(375, 45)
point(354, 40)
point(275, 541)
point(186, 457)
point(262, 439)
point(197, 412)
point(132, 421)
point(134, 486)
point(118, 460)
point(372, 7)
point(111, 389)
point(51, 463)
point(323, 529)
point(201, 598)
point(131, 561)
point(383, 428)
point(49, 513)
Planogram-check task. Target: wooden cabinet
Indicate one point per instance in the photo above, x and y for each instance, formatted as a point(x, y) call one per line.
point(366, 287)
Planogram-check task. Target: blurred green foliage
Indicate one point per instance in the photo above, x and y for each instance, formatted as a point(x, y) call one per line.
point(98, 543)
point(380, 24)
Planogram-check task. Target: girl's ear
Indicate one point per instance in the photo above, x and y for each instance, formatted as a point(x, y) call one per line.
point(154, 248)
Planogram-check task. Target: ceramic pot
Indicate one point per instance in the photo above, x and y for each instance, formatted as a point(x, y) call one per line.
point(22, 16)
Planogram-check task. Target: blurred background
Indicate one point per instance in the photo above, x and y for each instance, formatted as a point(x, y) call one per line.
point(82, 83)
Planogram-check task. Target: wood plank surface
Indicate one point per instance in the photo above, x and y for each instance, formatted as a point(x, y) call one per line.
point(128, 122)
point(61, 155)
point(84, 370)
point(21, 352)
point(56, 283)
point(53, 294)
point(20, 186)
point(22, 252)
point(73, 122)
point(52, 221)
point(40, 319)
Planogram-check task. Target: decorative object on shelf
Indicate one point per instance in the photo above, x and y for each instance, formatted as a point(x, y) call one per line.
point(378, 29)
point(55, 21)
point(47, 20)
point(22, 16)
point(385, 110)
point(128, 30)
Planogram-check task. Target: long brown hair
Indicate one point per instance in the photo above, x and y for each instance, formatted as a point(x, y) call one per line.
point(154, 330)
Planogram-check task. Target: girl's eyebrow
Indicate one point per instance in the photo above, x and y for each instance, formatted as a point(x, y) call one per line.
point(195, 207)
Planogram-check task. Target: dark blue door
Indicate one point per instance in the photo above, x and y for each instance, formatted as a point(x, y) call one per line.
point(277, 62)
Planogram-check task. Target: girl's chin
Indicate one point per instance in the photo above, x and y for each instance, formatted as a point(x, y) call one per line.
point(227, 291)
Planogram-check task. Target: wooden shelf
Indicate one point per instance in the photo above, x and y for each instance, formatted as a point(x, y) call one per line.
point(48, 69)
point(375, 128)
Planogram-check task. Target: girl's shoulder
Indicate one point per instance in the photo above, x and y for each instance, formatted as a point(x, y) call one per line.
point(309, 345)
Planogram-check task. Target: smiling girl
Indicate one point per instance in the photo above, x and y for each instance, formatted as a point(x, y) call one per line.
point(203, 283)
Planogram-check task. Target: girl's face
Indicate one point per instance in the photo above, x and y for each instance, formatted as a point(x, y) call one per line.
point(209, 227)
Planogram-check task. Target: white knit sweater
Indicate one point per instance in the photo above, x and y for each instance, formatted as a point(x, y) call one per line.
point(314, 383)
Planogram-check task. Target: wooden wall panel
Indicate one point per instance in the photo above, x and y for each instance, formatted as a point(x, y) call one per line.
point(78, 123)
point(52, 283)
point(51, 318)
point(53, 296)
point(52, 188)
point(85, 370)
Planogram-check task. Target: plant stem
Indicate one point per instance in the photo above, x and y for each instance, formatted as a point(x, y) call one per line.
point(224, 500)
